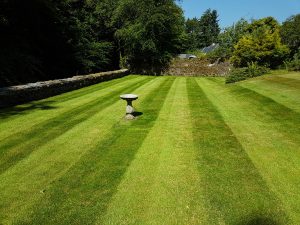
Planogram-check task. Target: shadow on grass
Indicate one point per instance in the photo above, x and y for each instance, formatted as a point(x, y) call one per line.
point(24, 109)
point(259, 220)
point(137, 114)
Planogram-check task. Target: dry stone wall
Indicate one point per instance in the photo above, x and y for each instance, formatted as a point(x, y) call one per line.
point(197, 67)
point(14, 95)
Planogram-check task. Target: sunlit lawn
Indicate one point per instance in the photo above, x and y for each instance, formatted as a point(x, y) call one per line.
point(201, 152)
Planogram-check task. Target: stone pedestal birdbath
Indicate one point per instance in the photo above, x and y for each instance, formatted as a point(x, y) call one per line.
point(129, 108)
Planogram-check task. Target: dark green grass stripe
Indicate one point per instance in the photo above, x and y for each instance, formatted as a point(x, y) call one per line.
point(233, 187)
point(49, 103)
point(20, 145)
point(282, 118)
point(82, 195)
point(290, 82)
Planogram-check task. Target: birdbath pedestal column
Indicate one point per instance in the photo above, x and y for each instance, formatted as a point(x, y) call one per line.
point(129, 108)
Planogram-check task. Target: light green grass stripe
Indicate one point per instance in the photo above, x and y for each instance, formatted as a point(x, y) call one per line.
point(22, 117)
point(83, 193)
point(289, 97)
point(21, 144)
point(274, 114)
point(272, 152)
point(42, 167)
point(162, 184)
point(234, 188)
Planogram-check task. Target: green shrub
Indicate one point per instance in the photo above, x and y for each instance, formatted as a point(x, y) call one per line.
point(239, 74)
point(236, 75)
point(294, 64)
point(262, 44)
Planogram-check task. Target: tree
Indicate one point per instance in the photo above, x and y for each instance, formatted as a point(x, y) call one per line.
point(149, 32)
point(228, 39)
point(192, 29)
point(87, 29)
point(48, 39)
point(202, 32)
point(33, 43)
point(261, 44)
point(290, 33)
point(209, 28)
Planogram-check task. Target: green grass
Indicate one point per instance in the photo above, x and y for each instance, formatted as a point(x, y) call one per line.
point(201, 152)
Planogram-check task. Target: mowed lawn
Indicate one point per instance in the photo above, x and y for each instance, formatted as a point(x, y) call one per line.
point(200, 152)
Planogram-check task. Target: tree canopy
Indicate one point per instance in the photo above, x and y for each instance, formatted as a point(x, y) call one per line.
point(204, 31)
point(290, 33)
point(209, 28)
point(229, 38)
point(261, 44)
point(149, 33)
point(47, 39)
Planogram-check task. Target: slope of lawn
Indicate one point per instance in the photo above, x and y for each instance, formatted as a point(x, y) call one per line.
point(200, 152)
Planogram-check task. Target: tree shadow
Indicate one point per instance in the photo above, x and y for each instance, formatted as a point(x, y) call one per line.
point(259, 220)
point(24, 109)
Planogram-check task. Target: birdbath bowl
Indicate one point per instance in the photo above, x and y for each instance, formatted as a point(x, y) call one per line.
point(129, 108)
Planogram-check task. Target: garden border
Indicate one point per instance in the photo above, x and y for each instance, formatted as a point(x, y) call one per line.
point(10, 96)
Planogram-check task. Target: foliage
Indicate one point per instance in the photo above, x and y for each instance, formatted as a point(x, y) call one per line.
point(294, 63)
point(150, 33)
point(204, 31)
point(229, 38)
point(193, 30)
point(290, 33)
point(48, 39)
point(239, 74)
point(261, 44)
point(209, 28)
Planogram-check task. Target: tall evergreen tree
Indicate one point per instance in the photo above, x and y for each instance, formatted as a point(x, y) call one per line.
point(193, 30)
point(204, 31)
point(209, 28)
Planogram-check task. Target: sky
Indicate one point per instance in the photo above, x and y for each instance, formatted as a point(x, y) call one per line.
point(231, 11)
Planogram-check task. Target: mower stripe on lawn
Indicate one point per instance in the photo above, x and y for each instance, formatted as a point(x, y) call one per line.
point(274, 153)
point(49, 162)
point(163, 179)
point(27, 115)
point(234, 188)
point(18, 147)
point(90, 184)
point(289, 97)
point(277, 115)
point(284, 81)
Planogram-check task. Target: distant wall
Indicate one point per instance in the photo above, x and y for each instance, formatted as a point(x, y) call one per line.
point(197, 67)
point(14, 95)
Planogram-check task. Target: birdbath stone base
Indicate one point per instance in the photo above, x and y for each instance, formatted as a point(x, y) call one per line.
point(129, 108)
